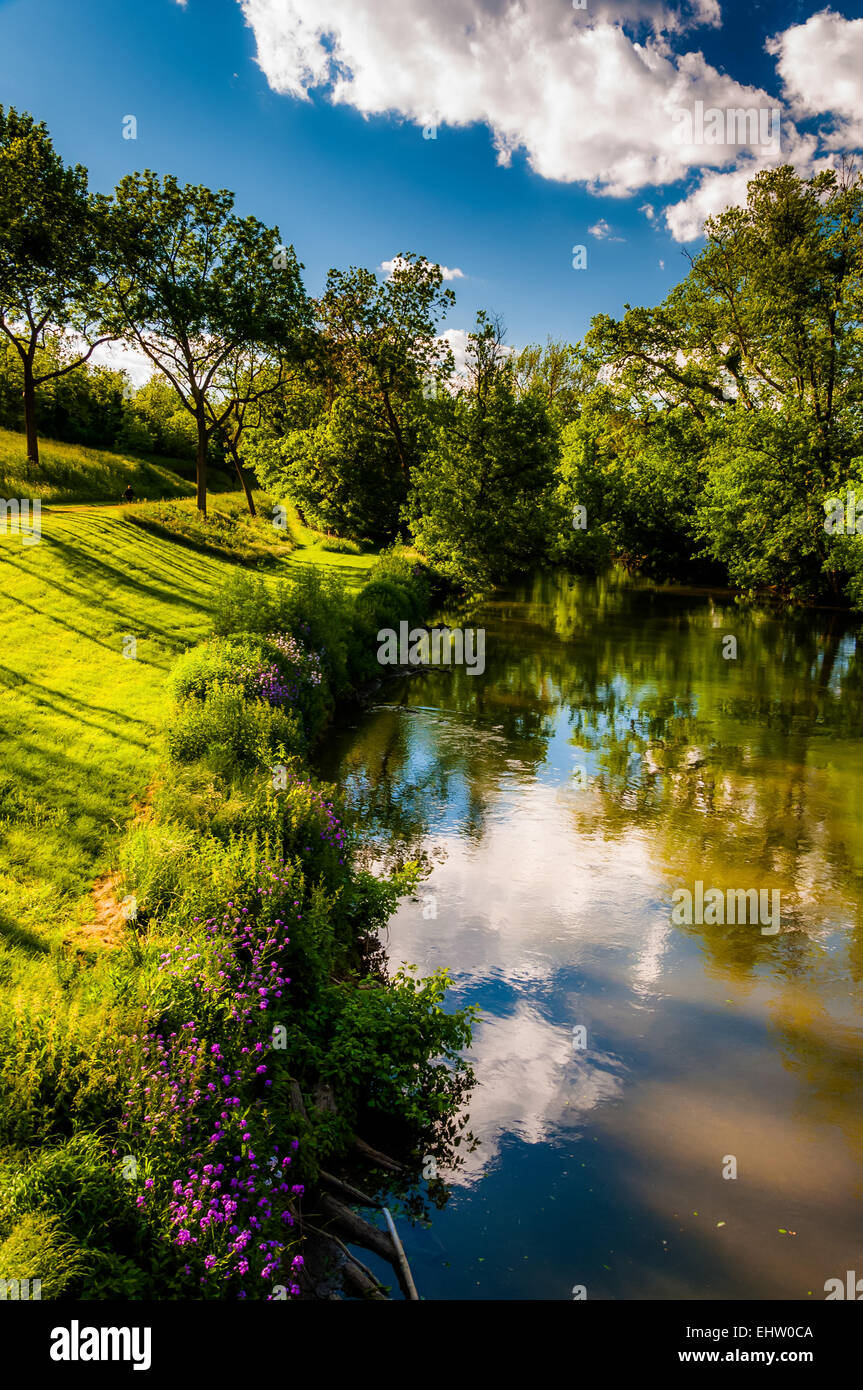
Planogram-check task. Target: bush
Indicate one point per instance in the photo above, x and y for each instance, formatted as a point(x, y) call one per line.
point(228, 733)
point(339, 545)
point(177, 873)
point(228, 531)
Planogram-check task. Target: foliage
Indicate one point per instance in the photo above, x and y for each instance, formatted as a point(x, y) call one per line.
point(50, 258)
point(482, 505)
point(191, 283)
point(227, 531)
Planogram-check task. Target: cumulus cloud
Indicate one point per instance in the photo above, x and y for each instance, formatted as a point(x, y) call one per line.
point(584, 96)
point(448, 274)
point(603, 231)
point(120, 357)
point(456, 339)
point(821, 66)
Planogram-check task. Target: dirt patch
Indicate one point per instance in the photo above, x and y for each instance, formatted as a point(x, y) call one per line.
point(109, 922)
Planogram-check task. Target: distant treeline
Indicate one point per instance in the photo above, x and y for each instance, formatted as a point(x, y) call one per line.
point(709, 438)
point(99, 408)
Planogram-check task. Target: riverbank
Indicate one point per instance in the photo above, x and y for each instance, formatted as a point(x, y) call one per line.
point(146, 1073)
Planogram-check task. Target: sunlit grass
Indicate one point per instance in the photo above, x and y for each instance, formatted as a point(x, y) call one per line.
point(80, 715)
point(72, 473)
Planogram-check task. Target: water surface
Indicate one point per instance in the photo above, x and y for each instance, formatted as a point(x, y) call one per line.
point(608, 755)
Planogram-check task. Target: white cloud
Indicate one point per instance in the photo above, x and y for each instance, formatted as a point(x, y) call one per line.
point(448, 274)
point(821, 66)
point(581, 98)
point(649, 211)
point(121, 357)
point(456, 341)
point(603, 231)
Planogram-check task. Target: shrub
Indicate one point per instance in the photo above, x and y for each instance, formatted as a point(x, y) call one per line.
point(226, 732)
point(339, 545)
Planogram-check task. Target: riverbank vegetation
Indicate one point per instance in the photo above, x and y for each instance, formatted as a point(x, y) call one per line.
point(169, 1091)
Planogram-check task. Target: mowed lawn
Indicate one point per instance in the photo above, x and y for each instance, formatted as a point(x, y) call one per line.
point(80, 720)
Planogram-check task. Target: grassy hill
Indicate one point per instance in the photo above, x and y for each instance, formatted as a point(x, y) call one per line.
point(72, 473)
point(78, 717)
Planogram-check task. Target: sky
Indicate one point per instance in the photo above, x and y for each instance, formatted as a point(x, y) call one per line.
point(492, 136)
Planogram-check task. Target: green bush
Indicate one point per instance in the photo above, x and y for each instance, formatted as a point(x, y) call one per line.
point(227, 733)
point(176, 872)
point(339, 545)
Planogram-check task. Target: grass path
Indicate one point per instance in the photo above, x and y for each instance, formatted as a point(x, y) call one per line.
point(79, 719)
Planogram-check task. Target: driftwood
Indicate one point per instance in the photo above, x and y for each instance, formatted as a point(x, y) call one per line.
point(406, 1279)
point(360, 1278)
point(355, 1274)
point(348, 1190)
point(375, 1156)
point(363, 1285)
point(361, 1232)
point(358, 1231)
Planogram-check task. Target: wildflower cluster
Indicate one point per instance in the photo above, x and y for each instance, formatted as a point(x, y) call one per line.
point(207, 1097)
point(240, 1217)
point(264, 680)
point(332, 830)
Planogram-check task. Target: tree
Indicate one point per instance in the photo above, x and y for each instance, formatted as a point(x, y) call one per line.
point(558, 373)
point(50, 251)
point(482, 504)
point(383, 339)
point(342, 472)
point(760, 348)
point(191, 284)
point(246, 379)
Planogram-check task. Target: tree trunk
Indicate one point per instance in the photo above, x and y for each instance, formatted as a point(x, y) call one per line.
point(242, 477)
point(201, 461)
point(29, 394)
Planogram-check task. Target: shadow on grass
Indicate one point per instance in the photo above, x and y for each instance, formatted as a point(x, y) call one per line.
point(22, 937)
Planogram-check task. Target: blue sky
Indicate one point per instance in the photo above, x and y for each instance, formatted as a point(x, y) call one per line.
point(326, 139)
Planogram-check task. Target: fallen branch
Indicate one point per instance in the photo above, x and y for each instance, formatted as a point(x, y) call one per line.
point(358, 1231)
point(406, 1279)
point(364, 1282)
point(347, 1190)
point(376, 1157)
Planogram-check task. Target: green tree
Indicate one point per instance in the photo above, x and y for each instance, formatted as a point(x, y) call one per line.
point(482, 503)
point(560, 375)
point(191, 283)
point(758, 354)
point(382, 337)
point(50, 254)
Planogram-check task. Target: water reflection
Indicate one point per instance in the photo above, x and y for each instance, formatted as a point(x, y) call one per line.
point(610, 754)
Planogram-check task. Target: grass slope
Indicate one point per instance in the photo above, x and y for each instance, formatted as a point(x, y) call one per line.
point(72, 473)
point(78, 717)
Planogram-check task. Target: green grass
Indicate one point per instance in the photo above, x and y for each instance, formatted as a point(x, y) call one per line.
point(71, 473)
point(78, 718)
